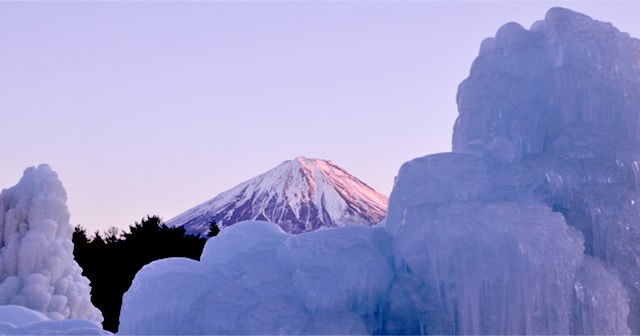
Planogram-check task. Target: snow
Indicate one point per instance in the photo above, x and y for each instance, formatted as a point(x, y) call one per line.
point(529, 226)
point(37, 269)
point(18, 320)
point(300, 195)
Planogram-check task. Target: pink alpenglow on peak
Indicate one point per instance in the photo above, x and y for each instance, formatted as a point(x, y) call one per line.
point(300, 195)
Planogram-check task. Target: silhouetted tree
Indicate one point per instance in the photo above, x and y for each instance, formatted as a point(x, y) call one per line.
point(112, 235)
point(79, 236)
point(111, 262)
point(213, 229)
point(96, 239)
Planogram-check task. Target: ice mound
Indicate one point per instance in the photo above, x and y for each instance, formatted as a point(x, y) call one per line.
point(530, 225)
point(526, 86)
point(37, 269)
point(254, 278)
point(18, 320)
point(562, 100)
point(482, 253)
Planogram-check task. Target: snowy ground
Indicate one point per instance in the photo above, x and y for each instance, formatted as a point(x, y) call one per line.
point(18, 320)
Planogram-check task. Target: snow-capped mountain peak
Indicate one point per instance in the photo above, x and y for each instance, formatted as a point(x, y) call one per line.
point(300, 195)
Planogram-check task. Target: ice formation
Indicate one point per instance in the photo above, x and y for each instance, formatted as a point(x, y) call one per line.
point(254, 278)
point(529, 226)
point(37, 269)
point(18, 320)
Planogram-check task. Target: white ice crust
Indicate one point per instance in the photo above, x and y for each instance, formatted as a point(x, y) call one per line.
point(18, 320)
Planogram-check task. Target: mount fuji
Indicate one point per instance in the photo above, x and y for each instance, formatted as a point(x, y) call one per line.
point(299, 195)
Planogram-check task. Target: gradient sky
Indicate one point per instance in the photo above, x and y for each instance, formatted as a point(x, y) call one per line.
point(154, 107)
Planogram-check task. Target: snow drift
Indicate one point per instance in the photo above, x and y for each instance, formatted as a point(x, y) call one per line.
point(37, 269)
point(18, 320)
point(529, 226)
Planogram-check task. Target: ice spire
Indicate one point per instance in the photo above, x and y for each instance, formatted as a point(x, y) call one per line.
point(37, 269)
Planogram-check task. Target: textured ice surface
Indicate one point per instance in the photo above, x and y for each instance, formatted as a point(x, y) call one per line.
point(37, 269)
point(530, 226)
point(484, 268)
point(563, 101)
point(18, 320)
point(526, 86)
point(254, 278)
point(483, 254)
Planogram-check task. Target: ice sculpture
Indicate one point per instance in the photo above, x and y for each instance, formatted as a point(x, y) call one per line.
point(483, 254)
point(530, 225)
point(562, 101)
point(527, 86)
point(37, 269)
point(254, 278)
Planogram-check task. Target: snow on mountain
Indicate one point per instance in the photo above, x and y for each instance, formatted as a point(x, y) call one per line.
point(300, 195)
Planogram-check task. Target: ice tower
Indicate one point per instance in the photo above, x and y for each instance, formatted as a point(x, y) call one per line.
point(531, 224)
point(37, 269)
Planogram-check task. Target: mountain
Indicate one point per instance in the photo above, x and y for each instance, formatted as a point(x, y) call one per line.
point(300, 195)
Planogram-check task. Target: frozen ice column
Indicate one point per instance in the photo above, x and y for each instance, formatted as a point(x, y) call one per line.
point(37, 269)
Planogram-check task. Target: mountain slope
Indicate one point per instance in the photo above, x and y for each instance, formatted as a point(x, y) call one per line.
point(300, 195)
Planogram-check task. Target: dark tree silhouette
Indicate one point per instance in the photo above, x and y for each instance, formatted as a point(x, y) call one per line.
point(111, 262)
point(97, 239)
point(213, 229)
point(112, 235)
point(80, 236)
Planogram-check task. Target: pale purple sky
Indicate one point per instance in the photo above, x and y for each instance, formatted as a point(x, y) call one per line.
point(154, 107)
